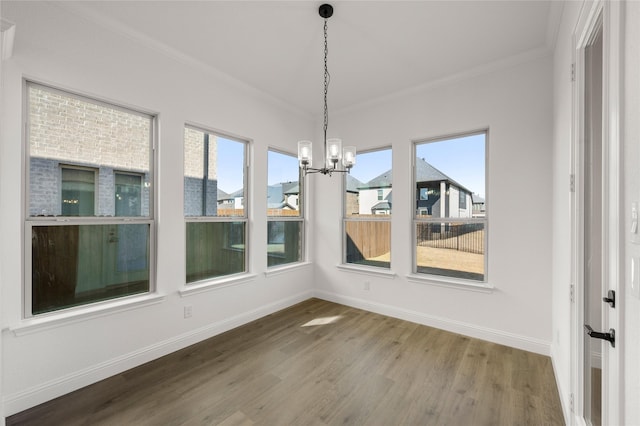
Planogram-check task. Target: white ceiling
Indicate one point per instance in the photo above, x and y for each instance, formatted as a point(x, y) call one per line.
point(376, 48)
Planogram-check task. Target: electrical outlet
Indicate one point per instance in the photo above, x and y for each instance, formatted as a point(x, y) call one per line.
point(188, 311)
point(367, 285)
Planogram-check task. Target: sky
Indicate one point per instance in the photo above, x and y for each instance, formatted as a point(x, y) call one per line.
point(230, 160)
point(462, 159)
point(230, 165)
point(371, 164)
point(282, 168)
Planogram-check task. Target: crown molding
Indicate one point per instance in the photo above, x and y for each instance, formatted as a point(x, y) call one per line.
point(501, 64)
point(81, 10)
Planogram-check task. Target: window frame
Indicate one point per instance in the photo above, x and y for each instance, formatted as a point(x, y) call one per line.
point(300, 218)
point(383, 270)
point(417, 219)
point(213, 281)
point(29, 221)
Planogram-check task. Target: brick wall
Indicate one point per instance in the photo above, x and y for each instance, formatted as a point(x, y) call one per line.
point(68, 131)
point(194, 154)
point(72, 130)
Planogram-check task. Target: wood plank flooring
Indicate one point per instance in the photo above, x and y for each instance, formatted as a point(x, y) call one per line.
point(320, 363)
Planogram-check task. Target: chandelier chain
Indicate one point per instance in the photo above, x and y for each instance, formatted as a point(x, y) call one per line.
point(327, 78)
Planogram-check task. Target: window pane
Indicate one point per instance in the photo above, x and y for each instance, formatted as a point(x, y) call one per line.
point(283, 185)
point(213, 175)
point(128, 195)
point(451, 249)
point(368, 186)
point(78, 192)
point(79, 264)
point(284, 242)
point(368, 242)
point(215, 249)
point(67, 130)
point(450, 177)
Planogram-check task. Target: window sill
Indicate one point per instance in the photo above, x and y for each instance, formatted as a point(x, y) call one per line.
point(211, 285)
point(74, 315)
point(450, 283)
point(277, 270)
point(367, 270)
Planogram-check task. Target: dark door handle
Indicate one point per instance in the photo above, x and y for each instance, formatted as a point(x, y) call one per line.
point(609, 337)
point(610, 299)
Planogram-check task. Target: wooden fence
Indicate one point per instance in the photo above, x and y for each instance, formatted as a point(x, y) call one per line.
point(367, 239)
point(370, 239)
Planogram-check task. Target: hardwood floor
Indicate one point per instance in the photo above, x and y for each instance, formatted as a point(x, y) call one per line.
point(320, 363)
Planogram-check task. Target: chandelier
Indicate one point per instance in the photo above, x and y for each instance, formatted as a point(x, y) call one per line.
point(335, 156)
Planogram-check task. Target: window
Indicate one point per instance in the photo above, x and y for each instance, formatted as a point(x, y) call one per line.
point(78, 190)
point(450, 240)
point(74, 146)
point(367, 210)
point(285, 219)
point(129, 191)
point(214, 204)
point(462, 199)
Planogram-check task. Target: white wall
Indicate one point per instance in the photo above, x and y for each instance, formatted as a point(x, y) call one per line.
point(58, 47)
point(515, 102)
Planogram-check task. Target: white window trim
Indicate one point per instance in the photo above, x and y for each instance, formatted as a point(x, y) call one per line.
point(355, 267)
point(92, 309)
point(64, 317)
point(443, 281)
point(229, 279)
point(375, 271)
point(303, 261)
point(287, 267)
point(440, 280)
point(207, 285)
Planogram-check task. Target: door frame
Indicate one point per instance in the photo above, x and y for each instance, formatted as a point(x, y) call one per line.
point(611, 13)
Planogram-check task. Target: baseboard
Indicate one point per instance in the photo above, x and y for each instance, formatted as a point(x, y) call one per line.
point(28, 398)
point(496, 336)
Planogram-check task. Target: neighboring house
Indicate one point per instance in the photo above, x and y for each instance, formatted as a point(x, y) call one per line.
point(352, 195)
point(375, 196)
point(235, 200)
point(479, 209)
point(291, 192)
point(283, 195)
point(438, 195)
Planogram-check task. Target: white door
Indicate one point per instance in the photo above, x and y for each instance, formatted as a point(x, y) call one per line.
point(593, 229)
point(597, 250)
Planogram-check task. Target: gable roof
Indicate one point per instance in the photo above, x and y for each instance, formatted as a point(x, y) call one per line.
point(222, 195)
point(233, 195)
point(353, 183)
point(382, 205)
point(290, 188)
point(425, 172)
point(476, 199)
point(381, 181)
